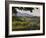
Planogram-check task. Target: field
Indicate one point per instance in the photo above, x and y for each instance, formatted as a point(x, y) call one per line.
point(25, 23)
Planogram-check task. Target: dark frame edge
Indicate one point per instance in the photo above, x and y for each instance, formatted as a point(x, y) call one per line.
point(6, 19)
point(43, 18)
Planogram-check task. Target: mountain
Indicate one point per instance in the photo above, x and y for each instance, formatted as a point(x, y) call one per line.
point(24, 14)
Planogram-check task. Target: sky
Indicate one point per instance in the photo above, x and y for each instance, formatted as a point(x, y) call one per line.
point(35, 12)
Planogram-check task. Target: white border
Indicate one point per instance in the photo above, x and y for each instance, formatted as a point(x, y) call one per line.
point(25, 32)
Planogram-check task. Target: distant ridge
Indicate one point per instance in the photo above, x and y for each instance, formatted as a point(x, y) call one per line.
point(25, 15)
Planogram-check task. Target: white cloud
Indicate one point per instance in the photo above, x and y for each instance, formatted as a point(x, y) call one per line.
point(36, 12)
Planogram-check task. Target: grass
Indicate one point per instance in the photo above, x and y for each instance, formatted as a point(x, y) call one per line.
point(25, 23)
